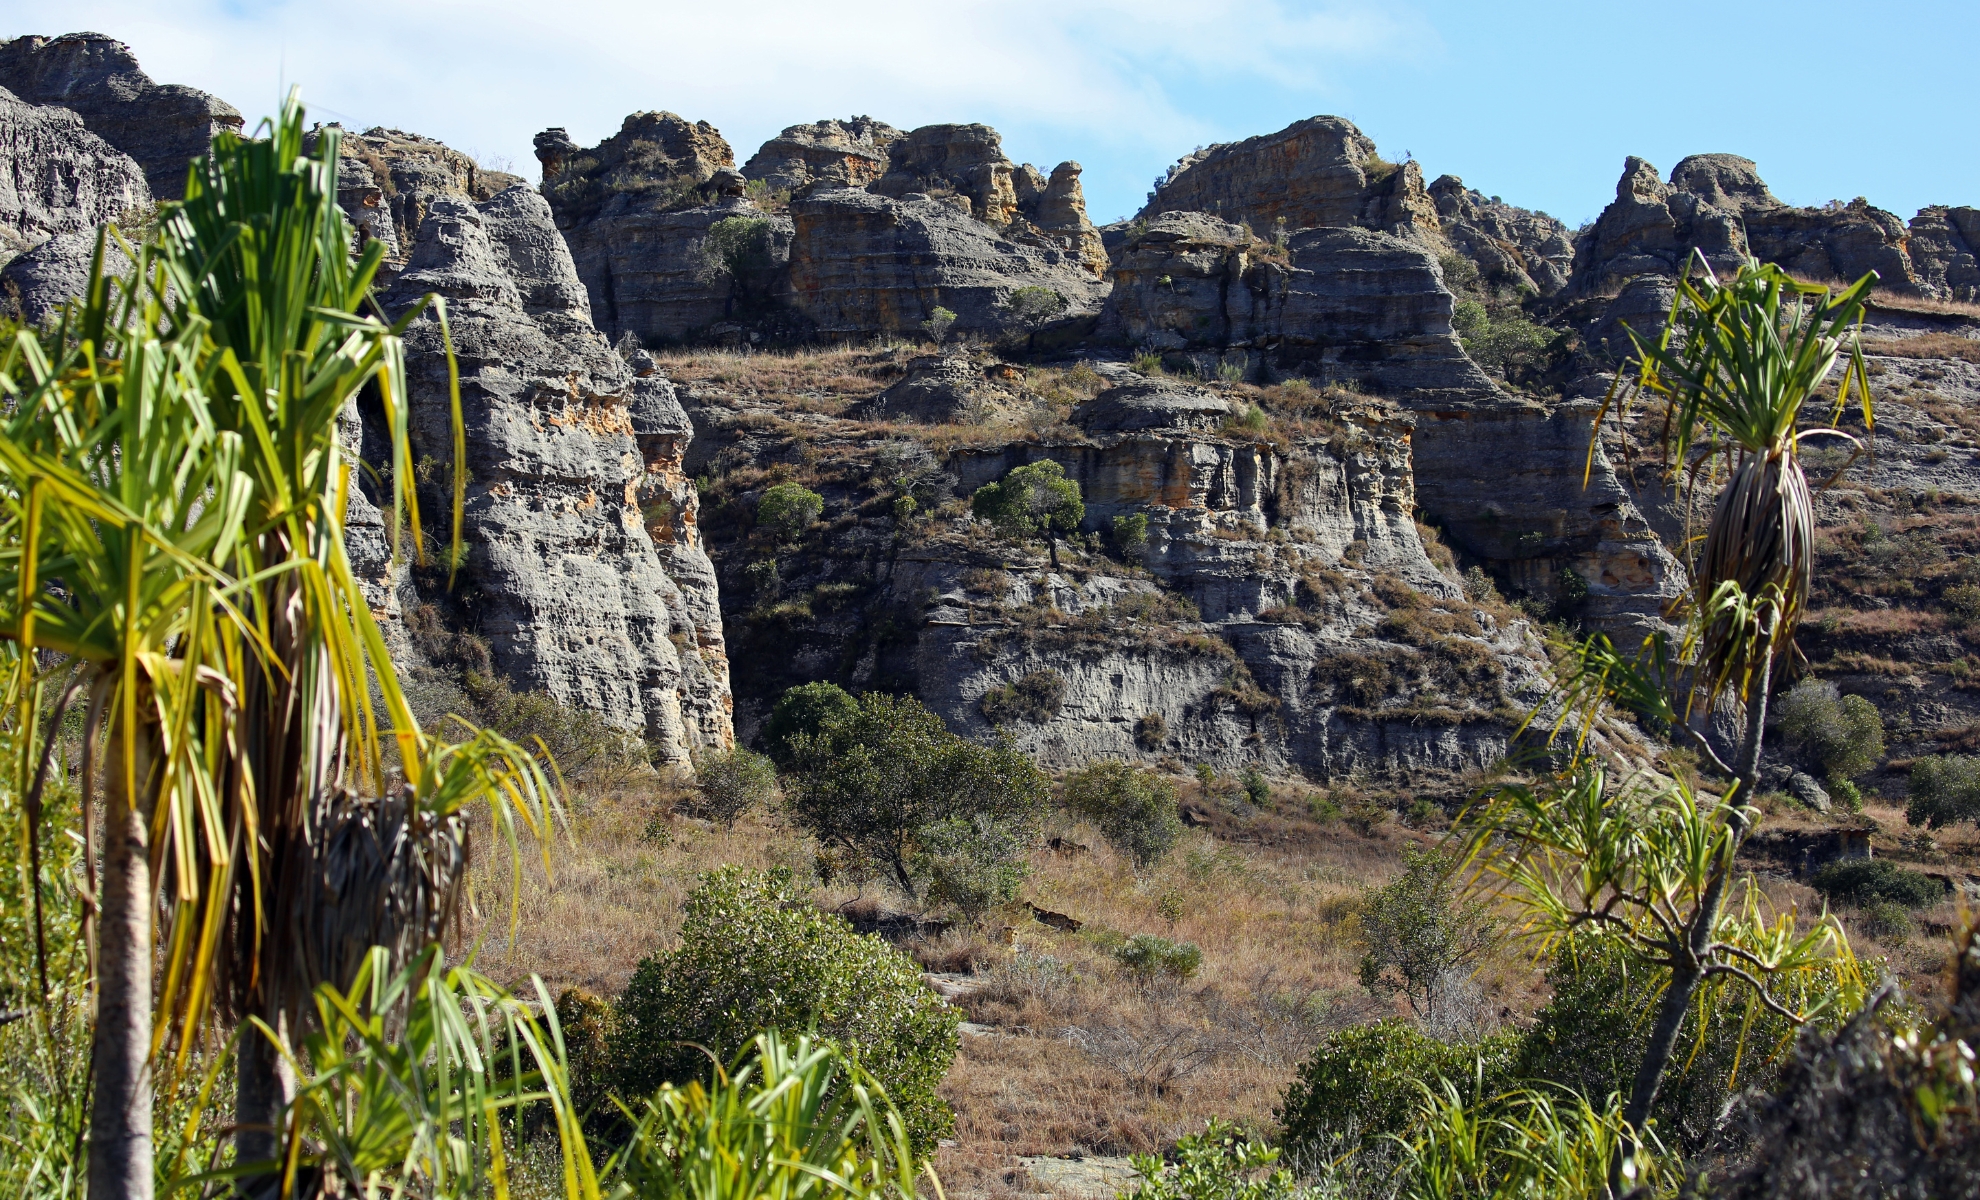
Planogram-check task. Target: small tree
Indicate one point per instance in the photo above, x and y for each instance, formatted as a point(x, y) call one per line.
point(1031, 308)
point(742, 251)
point(1032, 499)
point(1134, 810)
point(754, 955)
point(1421, 932)
point(884, 782)
point(731, 782)
point(812, 710)
point(1844, 735)
point(1131, 535)
point(1945, 789)
point(788, 509)
point(938, 324)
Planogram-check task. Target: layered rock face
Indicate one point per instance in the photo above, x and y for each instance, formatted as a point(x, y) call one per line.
point(388, 180)
point(161, 126)
point(1718, 205)
point(850, 153)
point(1368, 310)
point(1945, 251)
point(585, 573)
point(636, 211)
point(60, 177)
point(1511, 245)
point(863, 263)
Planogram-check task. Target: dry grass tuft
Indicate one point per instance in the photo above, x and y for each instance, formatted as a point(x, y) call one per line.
point(1929, 345)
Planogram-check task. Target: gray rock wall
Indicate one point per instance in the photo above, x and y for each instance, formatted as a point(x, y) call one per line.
point(585, 571)
point(59, 177)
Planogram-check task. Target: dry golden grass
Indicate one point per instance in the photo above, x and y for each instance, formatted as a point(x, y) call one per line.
point(1928, 345)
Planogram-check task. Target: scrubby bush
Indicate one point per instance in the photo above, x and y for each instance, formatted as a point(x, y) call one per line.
point(756, 955)
point(1365, 1084)
point(788, 509)
point(1886, 920)
point(730, 782)
point(1945, 789)
point(1422, 933)
point(939, 323)
point(1030, 308)
point(880, 785)
point(1135, 810)
point(1257, 790)
point(1498, 337)
point(1868, 880)
point(1131, 535)
point(1844, 735)
point(1590, 1036)
point(743, 250)
point(582, 744)
point(1150, 957)
point(972, 864)
point(1217, 1165)
point(1035, 697)
point(1479, 586)
point(1963, 603)
point(1150, 731)
point(1032, 499)
point(808, 710)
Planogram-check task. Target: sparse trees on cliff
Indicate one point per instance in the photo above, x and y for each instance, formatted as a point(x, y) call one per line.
point(1033, 499)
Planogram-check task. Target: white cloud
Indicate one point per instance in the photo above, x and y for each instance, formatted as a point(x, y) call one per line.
point(487, 76)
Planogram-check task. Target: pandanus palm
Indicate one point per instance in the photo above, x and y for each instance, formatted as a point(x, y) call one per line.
point(1736, 372)
point(174, 490)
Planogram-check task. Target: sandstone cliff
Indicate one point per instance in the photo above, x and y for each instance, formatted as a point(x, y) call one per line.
point(863, 263)
point(59, 183)
point(161, 126)
point(388, 180)
point(850, 153)
point(585, 574)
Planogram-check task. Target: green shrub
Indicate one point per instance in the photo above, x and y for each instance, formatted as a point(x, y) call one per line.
point(1963, 603)
point(939, 323)
point(1134, 810)
point(1479, 586)
point(1868, 880)
point(1034, 306)
point(1032, 499)
point(742, 248)
point(808, 710)
point(1421, 933)
point(730, 782)
point(1498, 337)
point(1216, 1165)
point(1886, 920)
point(1035, 697)
point(582, 744)
point(1945, 789)
point(1844, 734)
point(788, 509)
point(972, 864)
point(1131, 534)
point(1257, 790)
point(1364, 1084)
point(1150, 731)
point(874, 784)
point(1150, 957)
point(756, 955)
point(1590, 1037)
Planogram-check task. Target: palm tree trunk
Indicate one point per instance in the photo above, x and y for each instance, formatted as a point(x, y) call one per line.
point(120, 1114)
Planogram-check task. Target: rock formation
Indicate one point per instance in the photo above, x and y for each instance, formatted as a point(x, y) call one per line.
point(946, 388)
point(60, 177)
point(1511, 245)
point(388, 180)
point(1945, 252)
point(863, 263)
point(585, 572)
point(833, 154)
point(1718, 205)
point(161, 126)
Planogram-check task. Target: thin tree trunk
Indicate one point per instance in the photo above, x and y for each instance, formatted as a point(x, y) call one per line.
point(266, 1085)
point(1685, 981)
point(120, 1164)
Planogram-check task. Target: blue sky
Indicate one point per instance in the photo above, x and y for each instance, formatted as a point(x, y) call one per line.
point(1536, 102)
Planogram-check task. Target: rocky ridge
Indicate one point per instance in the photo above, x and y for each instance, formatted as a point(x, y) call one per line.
point(161, 126)
point(61, 181)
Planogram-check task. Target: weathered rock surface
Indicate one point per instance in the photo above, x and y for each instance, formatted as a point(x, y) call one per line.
point(35, 285)
point(60, 177)
point(1945, 252)
point(832, 154)
point(1511, 245)
point(862, 263)
point(585, 565)
point(939, 389)
point(1718, 205)
point(657, 159)
point(161, 126)
point(388, 180)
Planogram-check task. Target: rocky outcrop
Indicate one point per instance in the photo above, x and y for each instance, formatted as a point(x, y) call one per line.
point(585, 574)
point(831, 154)
point(939, 389)
point(388, 180)
point(34, 286)
point(1513, 246)
point(1717, 205)
point(964, 160)
point(863, 264)
point(1945, 252)
point(657, 159)
point(161, 126)
point(60, 177)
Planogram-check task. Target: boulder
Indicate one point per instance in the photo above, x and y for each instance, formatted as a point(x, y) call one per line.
point(657, 159)
point(1313, 172)
point(60, 176)
point(588, 577)
point(850, 153)
point(1152, 404)
point(1717, 205)
point(34, 286)
point(1803, 787)
point(161, 126)
point(864, 264)
point(939, 389)
point(965, 160)
point(1945, 251)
